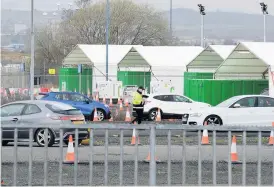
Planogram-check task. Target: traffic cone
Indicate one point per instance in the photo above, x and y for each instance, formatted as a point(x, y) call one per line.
point(2, 182)
point(133, 138)
point(95, 116)
point(121, 106)
point(110, 102)
point(88, 93)
point(70, 152)
point(158, 118)
point(205, 140)
point(148, 158)
point(128, 118)
point(271, 138)
point(97, 97)
point(111, 119)
point(126, 102)
point(119, 101)
point(104, 100)
point(233, 152)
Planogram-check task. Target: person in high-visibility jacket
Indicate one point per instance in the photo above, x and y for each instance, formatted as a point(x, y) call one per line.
point(138, 104)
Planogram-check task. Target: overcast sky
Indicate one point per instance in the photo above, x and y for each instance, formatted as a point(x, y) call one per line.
point(247, 6)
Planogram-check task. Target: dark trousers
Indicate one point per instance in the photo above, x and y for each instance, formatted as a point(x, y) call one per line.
point(139, 117)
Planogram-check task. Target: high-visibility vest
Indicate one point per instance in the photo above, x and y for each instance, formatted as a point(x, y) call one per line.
point(137, 98)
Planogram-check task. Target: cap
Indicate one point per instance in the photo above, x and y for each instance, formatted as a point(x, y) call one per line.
point(141, 87)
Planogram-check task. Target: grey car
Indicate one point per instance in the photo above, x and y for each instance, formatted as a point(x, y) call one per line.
point(43, 112)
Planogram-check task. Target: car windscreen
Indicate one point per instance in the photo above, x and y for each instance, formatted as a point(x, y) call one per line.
point(58, 110)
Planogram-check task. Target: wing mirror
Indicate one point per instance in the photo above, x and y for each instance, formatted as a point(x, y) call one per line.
point(237, 105)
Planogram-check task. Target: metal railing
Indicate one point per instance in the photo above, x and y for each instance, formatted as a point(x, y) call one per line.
point(152, 148)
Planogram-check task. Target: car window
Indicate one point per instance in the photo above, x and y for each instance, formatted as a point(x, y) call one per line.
point(61, 96)
point(168, 98)
point(12, 110)
point(265, 102)
point(246, 102)
point(78, 98)
point(32, 109)
point(179, 98)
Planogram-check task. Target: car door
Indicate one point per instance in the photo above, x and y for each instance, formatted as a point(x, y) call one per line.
point(11, 115)
point(166, 104)
point(265, 111)
point(30, 116)
point(82, 103)
point(241, 112)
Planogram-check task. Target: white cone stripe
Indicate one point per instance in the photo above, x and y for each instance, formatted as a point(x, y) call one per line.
point(205, 133)
point(233, 148)
point(272, 133)
point(70, 147)
point(134, 133)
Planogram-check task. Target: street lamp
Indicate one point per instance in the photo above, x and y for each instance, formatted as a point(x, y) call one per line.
point(32, 54)
point(202, 12)
point(107, 32)
point(265, 12)
point(170, 17)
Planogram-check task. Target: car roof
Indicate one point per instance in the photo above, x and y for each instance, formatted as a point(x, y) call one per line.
point(242, 96)
point(43, 102)
point(65, 92)
point(155, 94)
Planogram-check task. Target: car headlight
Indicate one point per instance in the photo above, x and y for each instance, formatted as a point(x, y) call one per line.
point(195, 115)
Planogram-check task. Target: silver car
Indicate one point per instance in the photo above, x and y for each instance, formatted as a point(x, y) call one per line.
point(43, 112)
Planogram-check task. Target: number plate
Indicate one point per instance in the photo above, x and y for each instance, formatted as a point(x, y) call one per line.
point(78, 122)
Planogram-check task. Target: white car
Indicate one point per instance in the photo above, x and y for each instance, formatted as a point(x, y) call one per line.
point(171, 106)
point(237, 110)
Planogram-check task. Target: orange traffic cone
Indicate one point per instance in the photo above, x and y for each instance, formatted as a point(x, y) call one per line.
point(2, 182)
point(126, 102)
point(95, 115)
point(128, 118)
point(121, 106)
point(104, 100)
point(133, 138)
point(97, 97)
point(271, 138)
point(119, 101)
point(111, 118)
point(233, 152)
point(158, 118)
point(148, 158)
point(205, 140)
point(110, 102)
point(70, 152)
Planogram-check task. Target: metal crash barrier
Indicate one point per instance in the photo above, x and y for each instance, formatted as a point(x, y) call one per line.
point(152, 128)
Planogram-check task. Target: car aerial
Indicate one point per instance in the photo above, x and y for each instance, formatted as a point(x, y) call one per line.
point(33, 112)
point(171, 105)
point(81, 102)
point(237, 110)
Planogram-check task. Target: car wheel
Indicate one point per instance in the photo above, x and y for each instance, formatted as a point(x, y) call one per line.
point(40, 137)
point(213, 120)
point(5, 142)
point(152, 115)
point(100, 114)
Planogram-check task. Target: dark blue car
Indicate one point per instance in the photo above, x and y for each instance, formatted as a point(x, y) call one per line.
point(81, 102)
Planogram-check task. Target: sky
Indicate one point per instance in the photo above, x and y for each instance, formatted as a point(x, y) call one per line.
point(246, 6)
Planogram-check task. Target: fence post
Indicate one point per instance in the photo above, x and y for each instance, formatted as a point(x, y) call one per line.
point(152, 164)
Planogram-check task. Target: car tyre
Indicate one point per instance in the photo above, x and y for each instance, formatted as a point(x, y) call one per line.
point(5, 142)
point(153, 115)
point(101, 115)
point(213, 120)
point(39, 139)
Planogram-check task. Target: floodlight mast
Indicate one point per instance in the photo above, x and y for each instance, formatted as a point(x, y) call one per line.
point(202, 13)
point(265, 12)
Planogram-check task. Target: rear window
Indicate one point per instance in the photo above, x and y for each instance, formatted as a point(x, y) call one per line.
point(57, 110)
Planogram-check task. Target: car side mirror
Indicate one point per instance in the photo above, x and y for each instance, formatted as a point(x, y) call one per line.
point(237, 105)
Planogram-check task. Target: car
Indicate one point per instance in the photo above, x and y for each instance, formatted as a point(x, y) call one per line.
point(33, 112)
point(237, 110)
point(171, 105)
point(81, 102)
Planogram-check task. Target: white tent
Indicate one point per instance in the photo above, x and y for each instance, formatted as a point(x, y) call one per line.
point(249, 60)
point(169, 62)
point(95, 56)
point(210, 58)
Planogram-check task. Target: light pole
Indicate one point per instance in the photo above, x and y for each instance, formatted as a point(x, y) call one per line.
point(202, 12)
point(32, 54)
point(170, 18)
point(265, 12)
point(107, 32)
